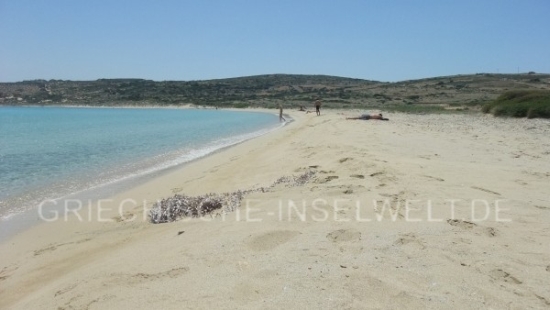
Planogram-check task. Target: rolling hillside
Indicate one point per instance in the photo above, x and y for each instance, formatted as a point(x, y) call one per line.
point(271, 90)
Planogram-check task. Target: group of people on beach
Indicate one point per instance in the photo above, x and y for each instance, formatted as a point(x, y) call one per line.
point(317, 104)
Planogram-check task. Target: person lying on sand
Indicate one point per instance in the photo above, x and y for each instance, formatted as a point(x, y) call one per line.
point(368, 116)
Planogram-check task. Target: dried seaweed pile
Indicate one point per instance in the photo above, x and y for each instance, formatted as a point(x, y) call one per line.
point(295, 180)
point(180, 206)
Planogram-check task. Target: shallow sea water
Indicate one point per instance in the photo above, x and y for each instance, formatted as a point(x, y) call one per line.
point(47, 153)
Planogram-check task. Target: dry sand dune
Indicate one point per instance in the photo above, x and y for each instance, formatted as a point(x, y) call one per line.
point(423, 211)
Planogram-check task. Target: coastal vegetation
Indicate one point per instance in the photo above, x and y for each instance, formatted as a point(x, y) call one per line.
point(521, 103)
point(449, 93)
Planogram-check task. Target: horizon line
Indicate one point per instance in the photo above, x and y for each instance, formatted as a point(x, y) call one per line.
point(275, 74)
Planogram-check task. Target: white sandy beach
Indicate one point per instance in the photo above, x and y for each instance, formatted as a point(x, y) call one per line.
point(422, 211)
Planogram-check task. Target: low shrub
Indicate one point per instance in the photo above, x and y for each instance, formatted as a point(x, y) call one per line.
point(520, 103)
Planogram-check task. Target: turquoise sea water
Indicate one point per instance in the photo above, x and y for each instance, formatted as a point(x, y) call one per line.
point(46, 153)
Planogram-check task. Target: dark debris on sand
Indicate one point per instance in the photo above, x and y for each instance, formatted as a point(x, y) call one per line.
point(180, 206)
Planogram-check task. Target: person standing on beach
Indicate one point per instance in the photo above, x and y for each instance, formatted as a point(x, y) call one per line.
point(318, 106)
point(281, 118)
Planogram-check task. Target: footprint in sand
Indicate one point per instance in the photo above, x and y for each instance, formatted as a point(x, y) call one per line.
point(521, 182)
point(363, 286)
point(486, 190)
point(81, 302)
point(127, 216)
point(501, 275)
point(146, 277)
point(172, 273)
point(328, 179)
point(344, 235)
point(461, 224)
point(65, 290)
point(6, 272)
point(384, 177)
point(343, 160)
point(54, 247)
point(409, 239)
point(271, 240)
point(488, 231)
point(45, 250)
point(544, 300)
point(433, 178)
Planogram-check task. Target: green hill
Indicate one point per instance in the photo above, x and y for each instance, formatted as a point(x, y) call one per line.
point(448, 92)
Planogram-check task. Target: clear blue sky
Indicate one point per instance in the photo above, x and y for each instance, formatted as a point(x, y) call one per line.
point(383, 40)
